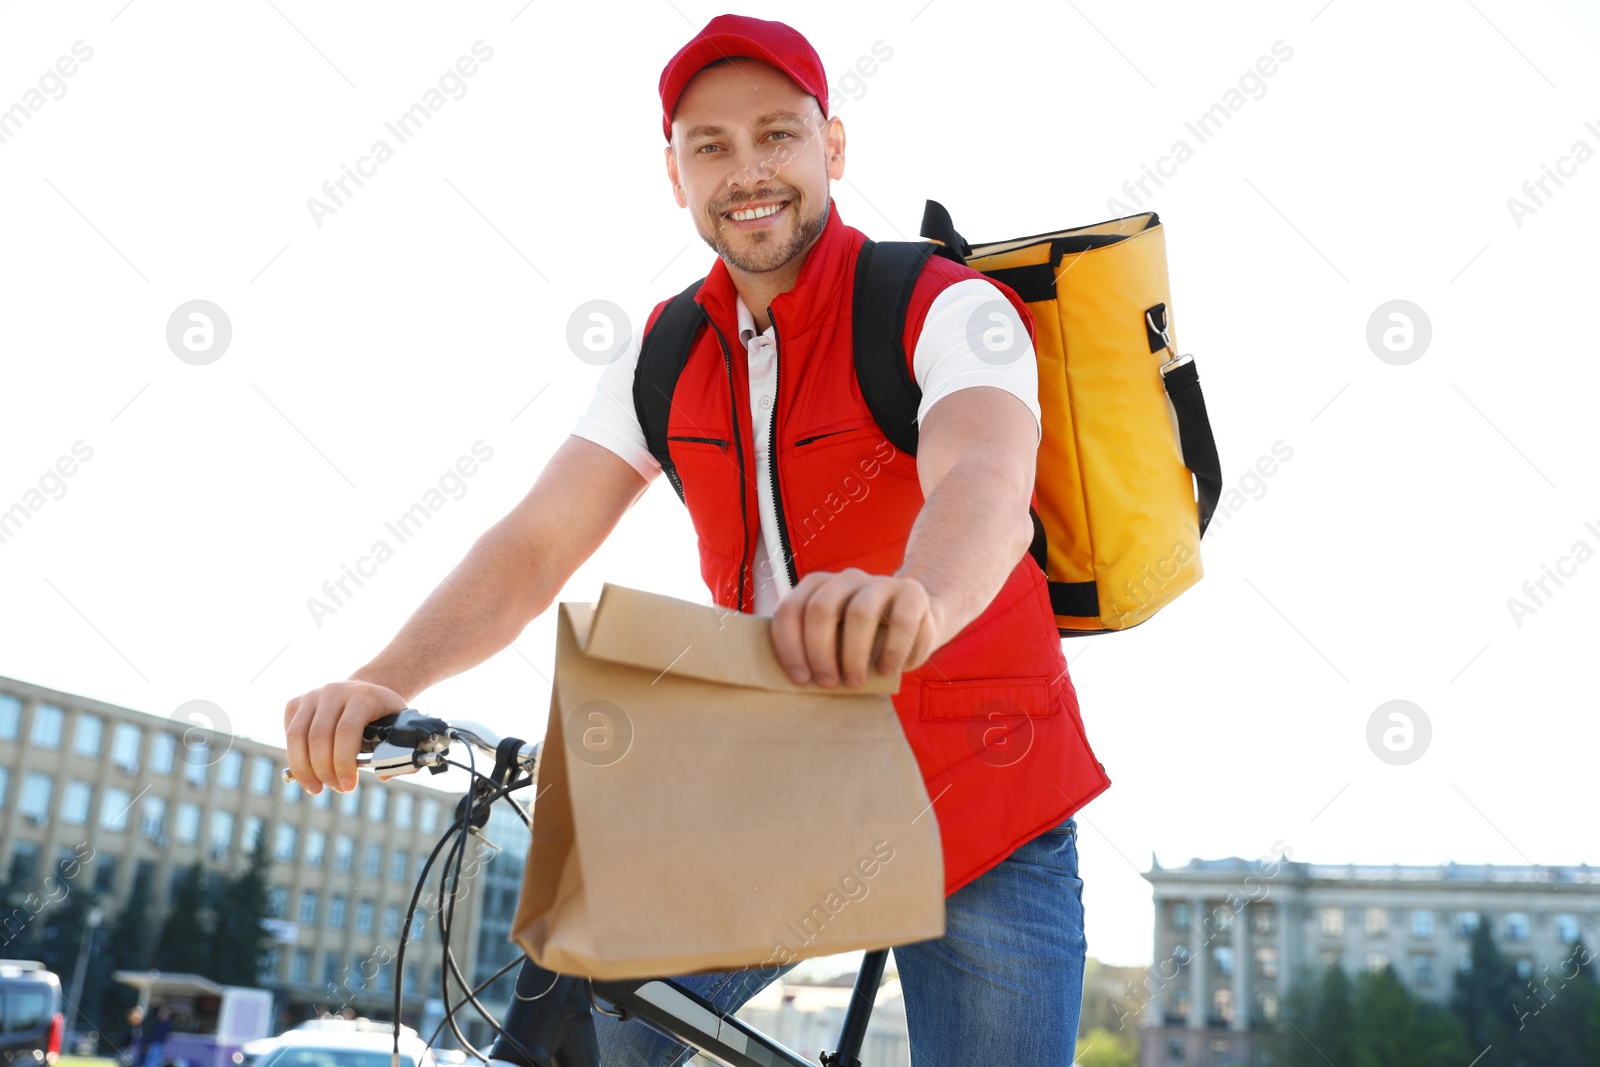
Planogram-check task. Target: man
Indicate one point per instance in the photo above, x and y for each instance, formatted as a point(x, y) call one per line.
point(934, 552)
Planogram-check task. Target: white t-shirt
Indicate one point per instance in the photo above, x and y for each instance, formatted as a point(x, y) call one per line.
point(971, 336)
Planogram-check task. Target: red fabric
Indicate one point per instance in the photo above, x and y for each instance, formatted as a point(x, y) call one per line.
point(992, 717)
point(727, 36)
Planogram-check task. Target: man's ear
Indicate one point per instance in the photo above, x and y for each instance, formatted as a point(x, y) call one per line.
point(833, 147)
point(672, 176)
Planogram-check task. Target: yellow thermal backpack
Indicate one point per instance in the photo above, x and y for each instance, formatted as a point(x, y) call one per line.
point(1117, 528)
point(1118, 525)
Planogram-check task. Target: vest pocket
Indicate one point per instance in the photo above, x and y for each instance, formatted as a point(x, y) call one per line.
point(717, 442)
point(987, 698)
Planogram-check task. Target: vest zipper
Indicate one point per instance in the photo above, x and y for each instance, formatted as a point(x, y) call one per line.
point(719, 442)
point(738, 448)
point(772, 454)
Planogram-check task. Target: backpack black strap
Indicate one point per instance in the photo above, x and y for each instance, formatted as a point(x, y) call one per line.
point(886, 274)
point(662, 355)
point(1181, 378)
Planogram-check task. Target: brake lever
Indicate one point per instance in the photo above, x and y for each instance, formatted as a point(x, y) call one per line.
point(397, 744)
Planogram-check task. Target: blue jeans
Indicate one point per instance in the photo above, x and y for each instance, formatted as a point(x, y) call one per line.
point(1003, 985)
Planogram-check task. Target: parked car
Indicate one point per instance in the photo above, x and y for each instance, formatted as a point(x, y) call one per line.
point(367, 1045)
point(31, 1023)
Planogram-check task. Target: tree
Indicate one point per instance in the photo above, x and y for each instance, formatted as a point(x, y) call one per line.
point(63, 929)
point(1558, 1013)
point(1393, 1028)
point(130, 947)
point(1316, 1020)
point(1486, 995)
point(19, 897)
point(241, 943)
point(1108, 1048)
point(184, 944)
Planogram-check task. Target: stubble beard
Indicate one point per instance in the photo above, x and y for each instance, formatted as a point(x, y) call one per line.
point(770, 251)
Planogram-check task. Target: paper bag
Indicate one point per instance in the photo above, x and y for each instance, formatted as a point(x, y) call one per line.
point(696, 810)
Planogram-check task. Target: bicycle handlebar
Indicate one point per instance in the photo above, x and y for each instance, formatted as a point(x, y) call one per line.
point(406, 742)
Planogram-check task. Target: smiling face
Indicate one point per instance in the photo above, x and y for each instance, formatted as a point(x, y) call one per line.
point(751, 157)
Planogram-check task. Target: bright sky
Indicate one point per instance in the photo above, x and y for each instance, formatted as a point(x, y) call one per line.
point(428, 313)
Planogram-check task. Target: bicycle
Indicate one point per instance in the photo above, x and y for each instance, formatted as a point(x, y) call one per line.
point(550, 1021)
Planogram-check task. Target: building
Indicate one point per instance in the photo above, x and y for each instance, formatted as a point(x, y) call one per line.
point(1232, 935)
point(152, 795)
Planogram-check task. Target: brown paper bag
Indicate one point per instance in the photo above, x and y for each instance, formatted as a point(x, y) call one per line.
point(696, 810)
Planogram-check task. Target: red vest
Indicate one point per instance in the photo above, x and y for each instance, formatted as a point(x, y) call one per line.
point(992, 717)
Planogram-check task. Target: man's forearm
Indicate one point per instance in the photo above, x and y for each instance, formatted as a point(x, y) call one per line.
point(479, 609)
point(969, 535)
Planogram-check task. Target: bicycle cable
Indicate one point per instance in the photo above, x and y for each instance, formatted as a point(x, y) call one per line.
point(453, 842)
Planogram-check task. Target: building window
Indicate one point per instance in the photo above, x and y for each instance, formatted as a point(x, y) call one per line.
point(1422, 971)
point(153, 818)
point(1422, 924)
point(5, 787)
point(344, 852)
point(323, 800)
point(350, 803)
point(1517, 927)
point(271, 964)
point(378, 806)
point(261, 775)
point(402, 810)
point(316, 845)
point(1377, 922)
point(253, 826)
point(114, 805)
point(372, 860)
point(336, 911)
point(1332, 957)
point(1464, 963)
point(391, 921)
point(86, 738)
point(1466, 923)
point(1222, 960)
point(386, 978)
point(397, 866)
point(24, 862)
point(125, 740)
point(1524, 968)
point(105, 875)
point(10, 717)
point(308, 908)
point(330, 969)
point(196, 759)
point(1377, 961)
point(1222, 1005)
point(75, 803)
point(1219, 1047)
point(364, 917)
point(283, 843)
point(1261, 920)
point(163, 751)
point(188, 823)
point(37, 789)
point(230, 770)
point(1180, 916)
point(300, 966)
point(221, 833)
point(1567, 929)
point(1333, 922)
point(1267, 962)
point(291, 792)
point(430, 816)
point(47, 720)
point(277, 901)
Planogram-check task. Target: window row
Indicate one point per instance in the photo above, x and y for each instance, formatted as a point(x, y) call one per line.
point(1515, 926)
point(408, 812)
point(334, 913)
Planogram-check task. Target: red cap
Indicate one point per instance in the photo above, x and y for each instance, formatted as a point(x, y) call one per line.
point(727, 36)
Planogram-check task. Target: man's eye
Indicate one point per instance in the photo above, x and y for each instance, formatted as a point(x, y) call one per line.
point(705, 149)
point(781, 133)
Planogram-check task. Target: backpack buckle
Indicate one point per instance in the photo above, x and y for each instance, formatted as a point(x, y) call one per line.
point(1175, 362)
